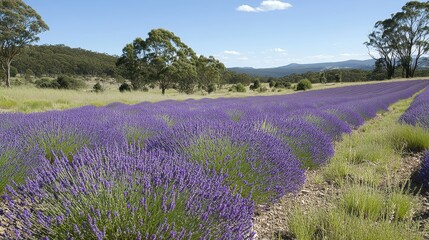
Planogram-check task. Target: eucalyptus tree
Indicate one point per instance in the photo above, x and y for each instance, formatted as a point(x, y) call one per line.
point(381, 41)
point(161, 58)
point(411, 34)
point(403, 38)
point(209, 72)
point(19, 26)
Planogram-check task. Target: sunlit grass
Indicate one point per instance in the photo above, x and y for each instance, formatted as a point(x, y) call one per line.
point(371, 203)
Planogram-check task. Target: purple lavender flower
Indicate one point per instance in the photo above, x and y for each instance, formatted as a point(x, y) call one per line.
point(169, 180)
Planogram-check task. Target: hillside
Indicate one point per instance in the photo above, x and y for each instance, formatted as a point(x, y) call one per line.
point(303, 68)
point(60, 59)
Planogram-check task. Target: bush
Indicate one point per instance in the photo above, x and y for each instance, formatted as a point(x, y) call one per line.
point(125, 87)
point(272, 84)
point(47, 83)
point(303, 85)
point(211, 88)
point(98, 87)
point(145, 89)
point(279, 85)
point(263, 89)
point(66, 82)
point(256, 85)
point(94, 197)
point(240, 88)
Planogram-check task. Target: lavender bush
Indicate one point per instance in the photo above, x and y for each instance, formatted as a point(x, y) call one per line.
point(188, 169)
point(257, 163)
point(128, 194)
point(418, 112)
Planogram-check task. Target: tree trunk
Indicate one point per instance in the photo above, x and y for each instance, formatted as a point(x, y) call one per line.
point(408, 72)
point(8, 74)
point(163, 90)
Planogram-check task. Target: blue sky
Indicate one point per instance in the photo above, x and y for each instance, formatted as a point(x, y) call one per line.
point(240, 33)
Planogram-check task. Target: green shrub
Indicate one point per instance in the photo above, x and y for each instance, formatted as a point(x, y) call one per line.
point(279, 85)
point(211, 88)
point(66, 82)
point(410, 138)
point(256, 85)
point(47, 83)
point(240, 88)
point(303, 85)
point(262, 89)
point(272, 84)
point(125, 87)
point(145, 89)
point(98, 87)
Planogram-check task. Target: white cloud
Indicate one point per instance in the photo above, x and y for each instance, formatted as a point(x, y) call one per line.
point(279, 50)
point(231, 52)
point(246, 8)
point(265, 6)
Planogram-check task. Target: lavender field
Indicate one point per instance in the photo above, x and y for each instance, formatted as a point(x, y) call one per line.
point(191, 169)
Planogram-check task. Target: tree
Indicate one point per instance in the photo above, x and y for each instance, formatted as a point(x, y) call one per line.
point(411, 38)
point(131, 64)
point(209, 71)
point(381, 41)
point(303, 85)
point(19, 26)
point(403, 37)
point(338, 77)
point(322, 77)
point(161, 58)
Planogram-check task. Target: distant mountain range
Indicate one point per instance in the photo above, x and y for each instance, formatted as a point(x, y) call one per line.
point(303, 68)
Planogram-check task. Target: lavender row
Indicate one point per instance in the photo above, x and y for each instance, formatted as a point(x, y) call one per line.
point(418, 115)
point(244, 151)
point(418, 112)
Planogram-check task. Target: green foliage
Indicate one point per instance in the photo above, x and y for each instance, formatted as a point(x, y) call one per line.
point(98, 87)
point(29, 74)
point(47, 83)
point(237, 88)
point(6, 103)
point(263, 89)
point(211, 88)
point(209, 72)
point(303, 85)
point(59, 59)
point(336, 223)
point(13, 71)
point(410, 138)
point(19, 26)
point(322, 78)
point(161, 58)
point(66, 82)
point(271, 84)
point(402, 38)
point(256, 85)
point(365, 202)
point(125, 87)
point(224, 156)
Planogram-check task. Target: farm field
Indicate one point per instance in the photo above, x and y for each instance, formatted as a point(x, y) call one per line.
point(205, 169)
point(27, 98)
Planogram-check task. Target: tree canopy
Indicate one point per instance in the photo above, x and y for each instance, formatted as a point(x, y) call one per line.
point(19, 26)
point(54, 60)
point(402, 38)
point(162, 58)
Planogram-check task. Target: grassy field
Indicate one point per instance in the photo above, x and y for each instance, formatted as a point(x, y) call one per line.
point(28, 98)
